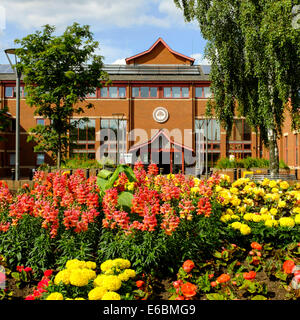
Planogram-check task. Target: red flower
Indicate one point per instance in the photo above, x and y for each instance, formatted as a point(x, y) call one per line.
point(188, 290)
point(30, 297)
point(48, 273)
point(249, 275)
point(140, 283)
point(20, 268)
point(288, 266)
point(180, 298)
point(188, 265)
point(177, 284)
point(28, 269)
point(255, 245)
point(213, 284)
point(223, 278)
point(210, 276)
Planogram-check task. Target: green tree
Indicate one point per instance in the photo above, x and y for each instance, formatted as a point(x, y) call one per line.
point(4, 120)
point(59, 72)
point(255, 55)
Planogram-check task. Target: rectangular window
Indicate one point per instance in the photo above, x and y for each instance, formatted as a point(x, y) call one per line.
point(92, 94)
point(203, 92)
point(12, 159)
point(83, 136)
point(176, 92)
point(10, 92)
point(40, 158)
point(144, 92)
point(113, 138)
point(240, 139)
point(40, 122)
point(207, 130)
point(113, 92)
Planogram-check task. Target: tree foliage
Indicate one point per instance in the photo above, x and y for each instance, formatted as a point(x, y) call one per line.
point(59, 72)
point(255, 55)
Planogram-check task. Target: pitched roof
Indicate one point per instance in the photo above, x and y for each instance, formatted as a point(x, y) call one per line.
point(160, 40)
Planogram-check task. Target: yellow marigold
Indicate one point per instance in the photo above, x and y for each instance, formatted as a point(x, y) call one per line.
point(99, 280)
point(275, 190)
point(247, 188)
point(91, 274)
point(248, 216)
point(229, 211)
point(97, 293)
point(122, 263)
point(272, 184)
point(111, 296)
point(245, 229)
point(286, 222)
point(195, 189)
point(90, 265)
point(218, 188)
point(273, 211)
point(256, 218)
point(265, 217)
point(79, 277)
point(281, 204)
point(271, 223)
point(225, 177)
point(79, 298)
point(75, 264)
point(55, 296)
point(130, 272)
point(197, 182)
point(249, 202)
point(263, 210)
point(236, 201)
point(63, 276)
point(108, 264)
point(234, 216)
point(129, 186)
point(296, 210)
point(284, 185)
point(265, 182)
point(225, 217)
point(236, 225)
point(297, 218)
point(241, 209)
point(111, 283)
point(234, 190)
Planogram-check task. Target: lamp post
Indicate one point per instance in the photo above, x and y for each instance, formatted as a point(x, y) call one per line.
point(118, 115)
point(12, 53)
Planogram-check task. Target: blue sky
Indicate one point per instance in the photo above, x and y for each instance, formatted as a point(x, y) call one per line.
point(122, 27)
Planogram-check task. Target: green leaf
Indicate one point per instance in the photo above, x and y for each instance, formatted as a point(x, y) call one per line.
point(125, 199)
point(102, 183)
point(16, 275)
point(104, 174)
point(259, 297)
point(214, 296)
point(281, 275)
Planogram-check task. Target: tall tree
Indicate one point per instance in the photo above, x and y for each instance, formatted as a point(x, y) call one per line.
point(59, 72)
point(254, 50)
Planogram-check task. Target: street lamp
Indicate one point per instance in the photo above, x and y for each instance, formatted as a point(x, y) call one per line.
point(118, 115)
point(12, 53)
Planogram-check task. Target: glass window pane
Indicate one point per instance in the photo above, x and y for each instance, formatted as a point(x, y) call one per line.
point(113, 92)
point(185, 92)
point(199, 91)
point(135, 91)
point(40, 122)
point(238, 130)
point(92, 94)
point(103, 92)
point(167, 92)
point(104, 124)
point(176, 92)
point(144, 92)
point(122, 92)
point(82, 130)
point(153, 92)
point(8, 91)
point(12, 159)
point(215, 130)
point(40, 158)
point(207, 92)
point(91, 130)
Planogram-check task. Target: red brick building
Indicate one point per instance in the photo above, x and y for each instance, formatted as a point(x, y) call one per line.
point(156, 102)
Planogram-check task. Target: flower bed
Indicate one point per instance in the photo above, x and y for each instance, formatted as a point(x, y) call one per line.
point(155, 222)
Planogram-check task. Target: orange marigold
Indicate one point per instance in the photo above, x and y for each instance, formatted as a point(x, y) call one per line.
point(188, 290)
point(256, 245)
point(288, 266)
point(223, 278)
point(188, 265)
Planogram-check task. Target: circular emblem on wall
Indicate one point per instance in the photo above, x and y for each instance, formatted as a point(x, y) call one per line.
point(160, 114)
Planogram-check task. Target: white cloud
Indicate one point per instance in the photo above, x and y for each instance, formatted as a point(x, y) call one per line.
point(120, 61)
point(199, 59)
point(101, 14)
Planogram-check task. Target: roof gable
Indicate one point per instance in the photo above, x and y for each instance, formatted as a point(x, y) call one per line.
point(160, 53)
